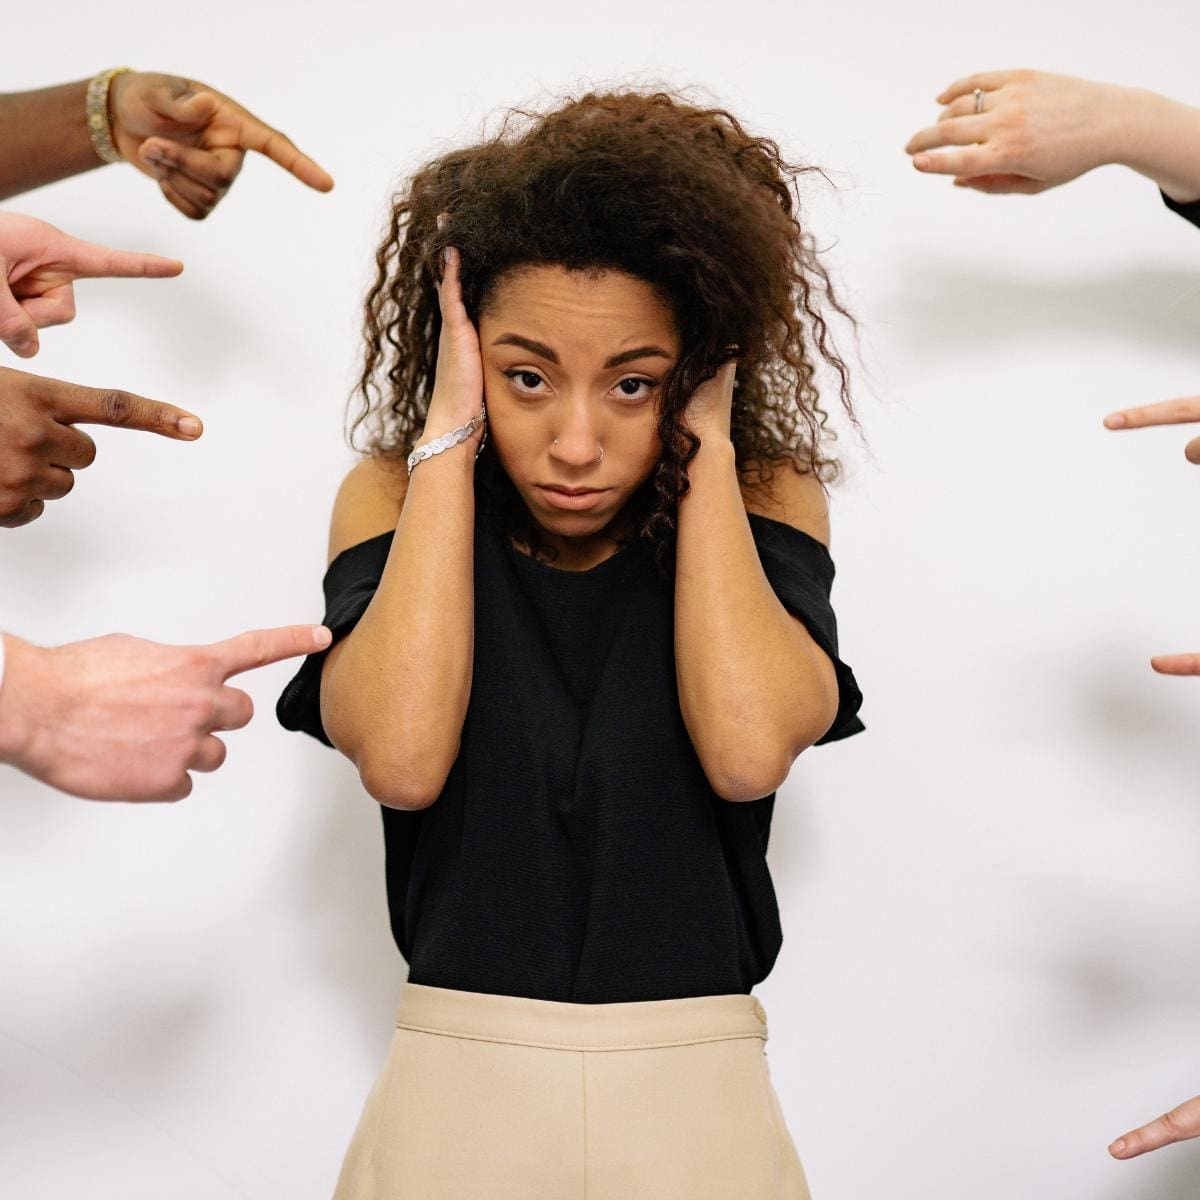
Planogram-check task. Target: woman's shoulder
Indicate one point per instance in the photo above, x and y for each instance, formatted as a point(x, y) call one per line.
point(368, 502)
point(790, 496)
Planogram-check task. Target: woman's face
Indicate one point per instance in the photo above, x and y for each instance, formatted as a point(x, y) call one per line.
point(573, 362)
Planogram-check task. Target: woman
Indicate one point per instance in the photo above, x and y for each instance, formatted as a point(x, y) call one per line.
point(578, 644)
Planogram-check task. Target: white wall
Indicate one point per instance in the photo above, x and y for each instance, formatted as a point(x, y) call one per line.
point(990, 899)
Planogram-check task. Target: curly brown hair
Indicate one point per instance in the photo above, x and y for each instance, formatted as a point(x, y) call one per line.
point(679, 196)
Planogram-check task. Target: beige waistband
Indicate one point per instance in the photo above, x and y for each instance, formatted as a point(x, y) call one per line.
point(555, 1025)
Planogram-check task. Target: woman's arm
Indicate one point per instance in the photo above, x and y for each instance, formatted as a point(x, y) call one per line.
point(754, 688)
point(394, 693)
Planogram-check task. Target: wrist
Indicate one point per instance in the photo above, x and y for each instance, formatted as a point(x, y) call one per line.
point(467, 434)
point(715, 448)
point(715, 459)
point(1160, 138)
point(101, 110)
point(16, 728)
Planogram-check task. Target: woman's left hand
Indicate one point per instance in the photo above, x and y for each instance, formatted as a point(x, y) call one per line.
point(192, 139)
point(709, 413)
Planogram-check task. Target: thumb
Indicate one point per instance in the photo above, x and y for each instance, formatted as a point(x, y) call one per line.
point(191, 109)
point(17, 330)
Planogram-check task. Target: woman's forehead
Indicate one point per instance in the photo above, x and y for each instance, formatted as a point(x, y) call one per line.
point(592, 308)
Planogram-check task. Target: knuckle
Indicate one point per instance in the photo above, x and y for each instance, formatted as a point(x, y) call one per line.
point(1176, 1124)
point(30, 438)
point(87, 452)
point(116, 407)
point(14, 325)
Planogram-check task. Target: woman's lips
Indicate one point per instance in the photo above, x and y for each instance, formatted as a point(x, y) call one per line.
point(565, 500)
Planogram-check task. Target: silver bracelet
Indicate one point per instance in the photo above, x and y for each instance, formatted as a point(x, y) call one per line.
point(453, 438)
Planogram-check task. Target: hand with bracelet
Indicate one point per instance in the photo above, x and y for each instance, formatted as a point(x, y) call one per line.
point(456, 411)
point(190, 138)
point(193, 139)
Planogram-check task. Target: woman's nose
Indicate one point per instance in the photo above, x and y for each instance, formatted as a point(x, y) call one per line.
point(576, 442)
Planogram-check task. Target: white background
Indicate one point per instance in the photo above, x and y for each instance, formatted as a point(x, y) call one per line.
point(991, 899)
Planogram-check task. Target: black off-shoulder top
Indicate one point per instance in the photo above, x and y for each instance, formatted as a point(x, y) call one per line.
point(577, 851)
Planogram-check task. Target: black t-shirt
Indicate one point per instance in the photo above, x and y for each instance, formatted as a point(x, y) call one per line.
point(1189, 212)
point(577, 851)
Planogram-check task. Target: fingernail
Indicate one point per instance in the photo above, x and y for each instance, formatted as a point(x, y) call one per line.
point(446, 256)
point(189, 427)
point(321, 637)
point(1118, 1147)
point(1115, 421)
point(921, 161)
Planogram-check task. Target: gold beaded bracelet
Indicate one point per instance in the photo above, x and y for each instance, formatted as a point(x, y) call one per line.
point(98, 118)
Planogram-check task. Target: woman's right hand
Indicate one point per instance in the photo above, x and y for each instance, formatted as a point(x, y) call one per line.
point(458, 385)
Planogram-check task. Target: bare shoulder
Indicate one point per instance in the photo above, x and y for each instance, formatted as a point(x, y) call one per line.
point(794, 498)
point(368, 503)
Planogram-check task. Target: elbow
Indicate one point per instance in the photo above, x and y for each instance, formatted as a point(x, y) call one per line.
point(394, 786)
point(740, 778)
point(743, 775)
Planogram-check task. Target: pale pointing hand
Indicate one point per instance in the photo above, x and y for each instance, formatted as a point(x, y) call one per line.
point(38, 268)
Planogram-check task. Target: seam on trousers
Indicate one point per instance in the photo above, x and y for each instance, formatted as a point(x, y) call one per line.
point(389, 1073)
point(768, 1088)
point(505, 1041)
point(583, 1080)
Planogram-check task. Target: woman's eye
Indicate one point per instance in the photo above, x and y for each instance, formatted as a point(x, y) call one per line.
point(528, 380)
point(635, 389)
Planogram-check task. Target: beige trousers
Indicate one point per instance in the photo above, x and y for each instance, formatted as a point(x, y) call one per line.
point(501, 1098)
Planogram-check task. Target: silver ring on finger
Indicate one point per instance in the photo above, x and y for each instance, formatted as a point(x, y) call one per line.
point(978, 94)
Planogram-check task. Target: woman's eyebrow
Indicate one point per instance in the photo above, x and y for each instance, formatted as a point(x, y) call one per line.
point(544, 351)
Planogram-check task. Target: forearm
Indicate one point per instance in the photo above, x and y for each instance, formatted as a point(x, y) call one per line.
point(751, 688)
point(44, 137)
point(395, 693)
point(1159, 138)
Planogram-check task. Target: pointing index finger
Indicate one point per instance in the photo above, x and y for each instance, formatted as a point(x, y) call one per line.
point(127, 264)
point(261, 647)
point(1169, 412)
point(72, 403)
point(260, 137)
point(1178, 1125)
point(1178, 664)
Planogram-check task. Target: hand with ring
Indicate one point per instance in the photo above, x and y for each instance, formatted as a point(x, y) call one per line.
point(1028, 131)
